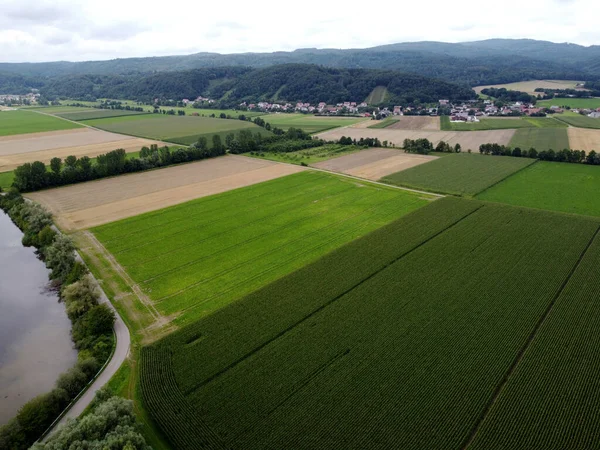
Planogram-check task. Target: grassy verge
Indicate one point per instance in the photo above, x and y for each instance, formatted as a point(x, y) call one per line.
point(125, 381)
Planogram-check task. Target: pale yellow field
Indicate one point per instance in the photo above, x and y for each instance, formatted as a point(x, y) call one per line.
point(584, 139)
point(467, 139)
point(374, 164)
point(36, 142)
point(11, 162)
point(416, 123)
point(94, 203)
point(530, 86)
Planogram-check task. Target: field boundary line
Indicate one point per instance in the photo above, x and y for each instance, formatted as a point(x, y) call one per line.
point(498, 391)
point(145, 300)
point(325, 305)
point(85, 125)
point(378, 183)
point(507, 177)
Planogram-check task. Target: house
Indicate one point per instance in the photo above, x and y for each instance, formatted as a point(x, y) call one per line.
point(594, 115)
point(397, 110)
point(444, 102)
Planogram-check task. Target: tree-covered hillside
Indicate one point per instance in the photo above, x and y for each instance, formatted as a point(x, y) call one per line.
point(232, 85)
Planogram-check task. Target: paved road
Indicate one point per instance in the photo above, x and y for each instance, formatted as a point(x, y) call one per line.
point(119, 356)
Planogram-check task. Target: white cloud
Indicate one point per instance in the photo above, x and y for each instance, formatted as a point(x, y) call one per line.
point(76, 30)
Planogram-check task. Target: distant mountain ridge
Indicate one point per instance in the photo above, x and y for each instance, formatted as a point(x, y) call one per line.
point(474, 63)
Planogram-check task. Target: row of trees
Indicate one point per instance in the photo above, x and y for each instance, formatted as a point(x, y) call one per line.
point(362, 142)
point(566, 155)
point(508, 95)
point(34, 176)
point(92, 322)
point(420, 146)
point(570, 93)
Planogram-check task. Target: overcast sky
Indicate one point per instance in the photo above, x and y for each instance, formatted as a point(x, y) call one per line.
point(77, 30)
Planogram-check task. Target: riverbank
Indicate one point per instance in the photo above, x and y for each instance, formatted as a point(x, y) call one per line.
point(92, 322)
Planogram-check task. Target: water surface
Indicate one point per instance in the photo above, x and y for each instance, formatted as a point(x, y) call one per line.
point(35, 342)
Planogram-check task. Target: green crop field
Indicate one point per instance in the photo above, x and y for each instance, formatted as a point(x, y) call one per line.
point(193, 259)
point(311, 155)
point(459, 174)
point(541, 139)
point(22, 122)
point(309, 123)
point(579, 121)
point(555, 186)
point(501, 124)
point(385, 123)
point(551, 401)
point(589, 103)
point(217, 112)
point(6, 179)
point(400, 339)
point(183, 130)
point(86, 114)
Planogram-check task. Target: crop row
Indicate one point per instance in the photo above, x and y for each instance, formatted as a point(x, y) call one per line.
point(284, 303)
point(396, 340)
point(551, 401)
point(459, 174)
point(417, 347)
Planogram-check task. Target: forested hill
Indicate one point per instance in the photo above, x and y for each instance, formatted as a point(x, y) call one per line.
point(232, 85)
point(475, 63)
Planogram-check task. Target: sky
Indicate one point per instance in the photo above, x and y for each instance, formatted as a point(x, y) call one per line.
point(80, 30)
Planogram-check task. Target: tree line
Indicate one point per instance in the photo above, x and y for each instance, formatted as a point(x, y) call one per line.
point(506, 95)
point(570, 93)
point(92, 322)
point(566, 155)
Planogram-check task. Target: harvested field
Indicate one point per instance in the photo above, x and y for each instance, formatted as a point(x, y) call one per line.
point(11, 162)
point(90, 204)
point(584, 139)
point(374, 164)
point(36, 142)
point(467, 139)
point(416, 123)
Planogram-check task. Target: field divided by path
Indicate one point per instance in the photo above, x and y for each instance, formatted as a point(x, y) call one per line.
point(98, 202)
point(399, 339)
point(374, 163)
point(195, 258)
point(459, 174)
point(23, 122)
point(569, 188)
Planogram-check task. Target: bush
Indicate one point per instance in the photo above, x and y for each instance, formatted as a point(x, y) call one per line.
point(60, 257)
point(110, 425)
point(80, 297)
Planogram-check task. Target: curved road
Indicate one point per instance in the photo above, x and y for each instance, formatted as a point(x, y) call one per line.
point(119, 356)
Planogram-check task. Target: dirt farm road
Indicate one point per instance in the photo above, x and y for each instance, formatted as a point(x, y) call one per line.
point(123, 343)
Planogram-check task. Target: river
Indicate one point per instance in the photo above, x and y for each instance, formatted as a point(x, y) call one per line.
point(35, 341)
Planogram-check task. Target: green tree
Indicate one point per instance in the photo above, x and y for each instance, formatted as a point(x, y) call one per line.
point(56, 165)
